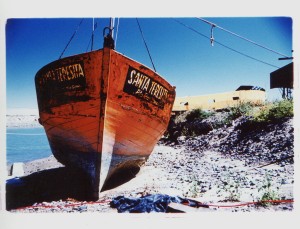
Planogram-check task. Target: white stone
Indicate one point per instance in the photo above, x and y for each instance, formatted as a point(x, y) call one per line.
point(17, 169)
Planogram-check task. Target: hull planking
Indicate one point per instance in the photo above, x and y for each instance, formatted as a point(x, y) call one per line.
point(103, 113)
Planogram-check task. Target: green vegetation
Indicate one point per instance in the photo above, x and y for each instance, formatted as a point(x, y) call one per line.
point(242, 109)
point(197, 114)
point(273, 112)
point(231, 188)
point(194, 189)
point(192, 116)
point(269, 192)
point(267, 113)
point(189, 123)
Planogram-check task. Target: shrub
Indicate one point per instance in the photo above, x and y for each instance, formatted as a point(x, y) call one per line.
point(275, 111)
point(196, 128)
point(197, 114)
point(241, 109)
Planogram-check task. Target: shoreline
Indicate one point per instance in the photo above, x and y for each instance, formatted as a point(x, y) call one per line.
point(22, 119)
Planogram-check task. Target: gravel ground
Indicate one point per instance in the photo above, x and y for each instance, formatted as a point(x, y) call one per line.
point(208, 177)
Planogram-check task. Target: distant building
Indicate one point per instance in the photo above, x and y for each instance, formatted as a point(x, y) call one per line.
point(221, 100)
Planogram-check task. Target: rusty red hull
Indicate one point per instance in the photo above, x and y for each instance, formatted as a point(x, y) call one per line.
point(102, 112)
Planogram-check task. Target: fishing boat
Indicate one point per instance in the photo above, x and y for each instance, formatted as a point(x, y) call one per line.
point(102, 112)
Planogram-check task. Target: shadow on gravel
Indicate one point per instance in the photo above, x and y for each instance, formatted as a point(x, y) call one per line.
point(120, 177)
point(48, 185)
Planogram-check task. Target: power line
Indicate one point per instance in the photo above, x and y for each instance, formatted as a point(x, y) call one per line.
point(239, 36)
point(225, 46)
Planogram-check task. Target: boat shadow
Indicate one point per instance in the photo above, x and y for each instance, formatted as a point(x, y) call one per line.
point(45, 186)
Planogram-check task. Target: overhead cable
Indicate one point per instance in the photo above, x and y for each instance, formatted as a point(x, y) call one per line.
point(225, 46)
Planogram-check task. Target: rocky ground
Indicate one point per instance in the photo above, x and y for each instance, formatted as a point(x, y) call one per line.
point(231, 168)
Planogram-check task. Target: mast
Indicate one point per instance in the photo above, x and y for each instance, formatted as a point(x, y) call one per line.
point(108, 38)
point(111, 27)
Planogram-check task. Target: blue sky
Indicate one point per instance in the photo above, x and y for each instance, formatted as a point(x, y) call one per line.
point(182, 56)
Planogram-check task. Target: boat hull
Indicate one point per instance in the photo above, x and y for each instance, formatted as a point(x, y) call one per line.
point(103, 113)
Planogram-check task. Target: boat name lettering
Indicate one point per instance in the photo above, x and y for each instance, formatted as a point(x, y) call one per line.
point(63, 73)
point(140, 84)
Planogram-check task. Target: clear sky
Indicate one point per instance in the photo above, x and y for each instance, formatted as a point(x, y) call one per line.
point(180, 49)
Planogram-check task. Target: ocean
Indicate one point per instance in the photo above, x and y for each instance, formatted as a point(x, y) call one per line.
point(26, 144)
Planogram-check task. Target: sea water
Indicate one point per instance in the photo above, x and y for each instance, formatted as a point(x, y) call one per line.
point(26, 144)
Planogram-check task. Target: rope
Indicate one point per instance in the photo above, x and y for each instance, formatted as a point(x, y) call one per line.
point(145, 44)
point(279, 160)
point(225, 46)
point(251, 203)
point(200, 204)
point(70, 39)
point(239, 36)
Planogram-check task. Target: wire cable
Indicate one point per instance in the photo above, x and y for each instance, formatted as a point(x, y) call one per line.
point(239, 36)
point(146, 44)
point(71, 39)
point(225, 46)
point(91, 41)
